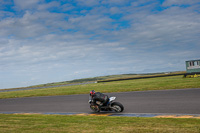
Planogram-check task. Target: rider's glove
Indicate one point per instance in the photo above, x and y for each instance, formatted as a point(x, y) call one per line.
point(90, 101)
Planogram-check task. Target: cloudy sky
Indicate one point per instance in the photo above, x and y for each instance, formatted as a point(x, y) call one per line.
point(43, 41)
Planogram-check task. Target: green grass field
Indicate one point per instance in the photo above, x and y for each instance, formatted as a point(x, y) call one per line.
point(35, 123)
point(100, 79)
point(31, 123)
point(159, 83)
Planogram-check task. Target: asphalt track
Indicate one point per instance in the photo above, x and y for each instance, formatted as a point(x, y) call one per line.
point(180, 101)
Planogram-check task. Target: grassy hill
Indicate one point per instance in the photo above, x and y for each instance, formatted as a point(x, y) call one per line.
point(108, 78)
point(156, 83)
point(102, 79)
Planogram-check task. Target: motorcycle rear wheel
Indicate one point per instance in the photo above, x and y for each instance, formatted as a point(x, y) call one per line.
point(117, 107)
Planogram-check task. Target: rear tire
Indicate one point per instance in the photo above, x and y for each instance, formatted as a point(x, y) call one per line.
point(117, 107)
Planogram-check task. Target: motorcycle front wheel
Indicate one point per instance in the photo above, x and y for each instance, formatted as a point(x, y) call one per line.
point(95, 108)
point(117, 107)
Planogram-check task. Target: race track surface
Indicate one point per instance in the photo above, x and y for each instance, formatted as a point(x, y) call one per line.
point(184, 101)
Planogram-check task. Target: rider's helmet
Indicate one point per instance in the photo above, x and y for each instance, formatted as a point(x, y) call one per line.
point(92, 93)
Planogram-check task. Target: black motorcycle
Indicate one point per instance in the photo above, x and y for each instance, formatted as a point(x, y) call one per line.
point(110, 106)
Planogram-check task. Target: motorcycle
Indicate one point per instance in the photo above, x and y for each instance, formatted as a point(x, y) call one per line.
point(110, 106)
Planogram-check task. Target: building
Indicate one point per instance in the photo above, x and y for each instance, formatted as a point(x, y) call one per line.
point(193, 66)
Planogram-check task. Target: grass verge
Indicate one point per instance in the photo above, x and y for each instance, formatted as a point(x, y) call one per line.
point(33, 123)
point(159, 83)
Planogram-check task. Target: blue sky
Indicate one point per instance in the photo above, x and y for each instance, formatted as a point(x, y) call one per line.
point(43, 41)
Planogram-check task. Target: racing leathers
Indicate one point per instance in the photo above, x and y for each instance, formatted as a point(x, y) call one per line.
point(99, 99)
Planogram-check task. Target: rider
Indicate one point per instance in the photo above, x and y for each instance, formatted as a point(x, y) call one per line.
point(98, 98)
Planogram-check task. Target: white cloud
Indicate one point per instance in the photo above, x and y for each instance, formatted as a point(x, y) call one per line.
point(67, 7)
point(109, 37)
point(5, 2)
point(4, 14)
point(115, 2)
point(179, 2)
point(33, 24)
point(91, 23)
point(174, 26)
point(26, 4)
point(115, 10)
point(49, 5)
point(88, 2)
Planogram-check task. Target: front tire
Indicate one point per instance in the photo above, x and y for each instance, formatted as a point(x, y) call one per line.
point(117, 107)
point(95, 108)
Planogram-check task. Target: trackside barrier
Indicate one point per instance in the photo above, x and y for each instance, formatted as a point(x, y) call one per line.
point(142, 77)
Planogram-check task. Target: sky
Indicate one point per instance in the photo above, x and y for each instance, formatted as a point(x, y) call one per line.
point(44, 41)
